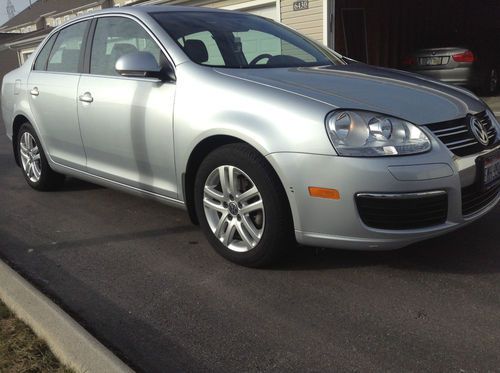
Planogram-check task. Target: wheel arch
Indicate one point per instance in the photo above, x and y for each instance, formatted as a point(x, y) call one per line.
point(200, 151)
point(18, 121)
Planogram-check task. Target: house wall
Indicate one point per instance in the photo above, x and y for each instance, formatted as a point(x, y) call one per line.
point(308, 21)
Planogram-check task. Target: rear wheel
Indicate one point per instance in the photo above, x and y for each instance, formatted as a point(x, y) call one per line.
point(242, 207)
point(33, 161)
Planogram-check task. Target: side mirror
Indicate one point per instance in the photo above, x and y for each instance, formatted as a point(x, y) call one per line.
point(143, 65)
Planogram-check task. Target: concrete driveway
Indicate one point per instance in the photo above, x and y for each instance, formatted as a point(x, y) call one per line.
point(145, 282)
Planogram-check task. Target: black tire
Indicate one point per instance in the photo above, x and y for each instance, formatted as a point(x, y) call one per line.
point(490, 78)
point(48, 179)
point(278, 235)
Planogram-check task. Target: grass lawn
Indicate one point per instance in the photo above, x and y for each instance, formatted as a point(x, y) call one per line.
point(21, 350)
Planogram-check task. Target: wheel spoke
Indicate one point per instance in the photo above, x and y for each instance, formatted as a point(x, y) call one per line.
point(26, 140)
point(36, 157)
point(23, 145)
point(29, 167)
point(247, 240)
point(223, 181)
point(24, 154)
point(250, 193)
point(232, 180)
point(214, 205)
point(214, 194)
point(254, 206)
point(229, 233)
point(29, 141)
point(36, 170)
point(220, 224)
point(250, 227)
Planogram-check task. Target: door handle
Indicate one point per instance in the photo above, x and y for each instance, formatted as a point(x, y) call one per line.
point(34, 91)
point(86, 97)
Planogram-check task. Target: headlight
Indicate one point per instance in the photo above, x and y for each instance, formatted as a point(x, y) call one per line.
point(366, 134)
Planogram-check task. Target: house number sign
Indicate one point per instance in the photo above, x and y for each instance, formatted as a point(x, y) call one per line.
point(301, 5)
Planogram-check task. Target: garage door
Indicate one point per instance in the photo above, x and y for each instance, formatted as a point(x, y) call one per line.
point(268, 11)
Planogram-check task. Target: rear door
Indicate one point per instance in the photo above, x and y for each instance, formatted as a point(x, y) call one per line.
point(52, 86)
point(126, 123)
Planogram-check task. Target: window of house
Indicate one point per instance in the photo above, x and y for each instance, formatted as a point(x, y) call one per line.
point(115, 37)
point(65, 55)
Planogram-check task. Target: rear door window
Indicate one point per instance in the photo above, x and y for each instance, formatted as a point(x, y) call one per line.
point(67, 50)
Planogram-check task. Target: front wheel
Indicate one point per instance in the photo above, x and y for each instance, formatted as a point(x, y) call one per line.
point(242, 206)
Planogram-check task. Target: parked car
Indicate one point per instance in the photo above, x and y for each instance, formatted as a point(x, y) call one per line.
point(263, 136)
point(475, 67)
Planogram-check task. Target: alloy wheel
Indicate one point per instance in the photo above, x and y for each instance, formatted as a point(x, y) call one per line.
point(234, 208)
point(30, 157)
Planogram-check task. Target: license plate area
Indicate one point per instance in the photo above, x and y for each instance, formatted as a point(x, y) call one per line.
point(433, 61)
point(488, 170)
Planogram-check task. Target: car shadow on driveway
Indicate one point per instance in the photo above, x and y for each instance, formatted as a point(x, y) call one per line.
point(474, 249)
point(72, 184)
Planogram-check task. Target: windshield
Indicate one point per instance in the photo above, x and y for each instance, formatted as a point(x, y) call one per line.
point(235, 40)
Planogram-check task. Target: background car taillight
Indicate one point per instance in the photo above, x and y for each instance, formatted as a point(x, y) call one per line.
point(466, 56)
point(409, 61)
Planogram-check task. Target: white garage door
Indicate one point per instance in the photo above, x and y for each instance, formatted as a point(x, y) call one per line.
point(268, 11)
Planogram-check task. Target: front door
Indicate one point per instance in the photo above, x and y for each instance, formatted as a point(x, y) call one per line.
point(126, 123)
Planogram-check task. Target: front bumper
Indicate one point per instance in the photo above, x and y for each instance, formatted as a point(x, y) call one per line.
point(337, 223)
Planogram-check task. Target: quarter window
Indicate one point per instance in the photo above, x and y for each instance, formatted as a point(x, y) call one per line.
point(43, 56)
point(67, 50)
point(115, 37)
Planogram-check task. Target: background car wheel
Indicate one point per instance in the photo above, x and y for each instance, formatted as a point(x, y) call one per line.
point(490, 82)
point(242, 207)
point(33, 161)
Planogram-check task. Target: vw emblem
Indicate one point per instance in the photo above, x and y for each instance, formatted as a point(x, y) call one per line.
point(479, 131)
point(233, 208)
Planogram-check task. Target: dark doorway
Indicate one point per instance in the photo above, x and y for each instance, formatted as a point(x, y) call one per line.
point(354, 24)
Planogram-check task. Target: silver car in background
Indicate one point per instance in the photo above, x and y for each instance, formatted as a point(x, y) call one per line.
point(263, 136)
point(474, 68)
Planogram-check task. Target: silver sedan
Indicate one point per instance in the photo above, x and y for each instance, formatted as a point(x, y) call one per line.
point(265, 137)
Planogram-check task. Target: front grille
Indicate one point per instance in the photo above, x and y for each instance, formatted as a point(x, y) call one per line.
point(474, 199)
point(458, 137)
point(402, 211)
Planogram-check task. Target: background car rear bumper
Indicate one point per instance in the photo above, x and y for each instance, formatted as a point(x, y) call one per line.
point(463, 76)
point(339, 224)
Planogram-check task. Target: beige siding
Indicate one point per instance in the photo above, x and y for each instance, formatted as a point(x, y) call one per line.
point(308, 22)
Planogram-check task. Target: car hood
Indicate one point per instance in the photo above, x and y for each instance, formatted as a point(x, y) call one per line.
point(412, 97)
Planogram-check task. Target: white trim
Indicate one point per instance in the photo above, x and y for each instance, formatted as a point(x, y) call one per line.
point(325, 22)
point(329, 23)
point(249, 4)
point(333, 25)
point(278, 10)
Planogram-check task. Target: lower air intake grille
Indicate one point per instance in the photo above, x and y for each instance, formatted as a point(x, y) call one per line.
point(474, 200)
point(458, 137)
point(403, 211)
